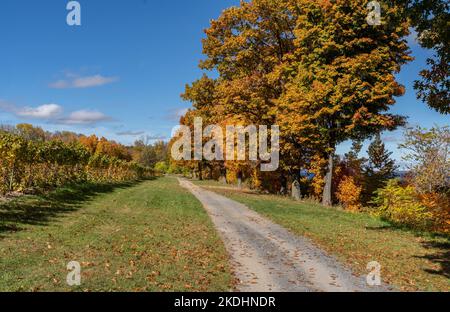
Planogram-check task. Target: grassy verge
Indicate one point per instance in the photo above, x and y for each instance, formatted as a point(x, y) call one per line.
point(148, 236)
point(410, 261)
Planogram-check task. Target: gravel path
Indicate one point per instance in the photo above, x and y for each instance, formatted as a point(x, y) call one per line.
point(266, 257)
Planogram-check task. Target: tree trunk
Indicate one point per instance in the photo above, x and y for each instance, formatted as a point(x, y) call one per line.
point(239, 179)
point(211, 172)
point(296, 191)
point(283, 184)
point(223, 176)
point(327, 199)
point(200, 173)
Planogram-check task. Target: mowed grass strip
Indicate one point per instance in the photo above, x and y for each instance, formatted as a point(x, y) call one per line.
point(410, 261)
point(150, 236)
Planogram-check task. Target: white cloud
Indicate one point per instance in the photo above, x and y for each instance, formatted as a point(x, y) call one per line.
point(130, 133)
point(147, 139)
point(75, 82)
point(84, 117)
point(60, 84)
point(46, 111)
point(53, 114)
point(156, 137)
point(93, 81)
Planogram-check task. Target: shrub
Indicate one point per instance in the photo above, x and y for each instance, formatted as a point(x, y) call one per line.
point(40, 165)
point(162, 167)
point(349, 194)
point(439, 206)
point(402, 206)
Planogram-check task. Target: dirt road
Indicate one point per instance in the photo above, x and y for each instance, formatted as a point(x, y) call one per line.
point(266, 257)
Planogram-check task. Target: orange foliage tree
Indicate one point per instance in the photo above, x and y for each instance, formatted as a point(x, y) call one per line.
point(349, 194)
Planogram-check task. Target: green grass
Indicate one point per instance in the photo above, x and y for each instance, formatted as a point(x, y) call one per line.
point(147, 236)
point(410, 261)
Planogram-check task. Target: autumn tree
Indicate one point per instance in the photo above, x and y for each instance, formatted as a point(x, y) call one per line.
point(90, 143)
point(112, 149)
point(427, 152)
point(316, 68)
point(349, 194)
point(202, 93)
point(341, 76)
point(66, 136)
point(351, 165)
point(150, 154)
point(247, 46)
point(31, 132)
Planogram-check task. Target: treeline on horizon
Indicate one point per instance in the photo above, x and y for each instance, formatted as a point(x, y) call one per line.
point(320, 72)
point(33, 160)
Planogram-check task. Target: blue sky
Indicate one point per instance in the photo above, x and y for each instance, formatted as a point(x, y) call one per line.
point(121, 72)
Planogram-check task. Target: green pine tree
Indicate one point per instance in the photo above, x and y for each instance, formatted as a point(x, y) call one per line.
point(379, 168)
